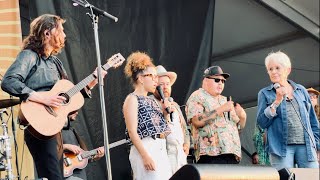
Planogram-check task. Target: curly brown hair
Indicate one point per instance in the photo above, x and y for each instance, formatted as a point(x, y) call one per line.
point(36, 37)
point(137, 62)
point(317, 110)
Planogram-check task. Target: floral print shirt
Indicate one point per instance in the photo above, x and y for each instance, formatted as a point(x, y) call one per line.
point(260, 146)
point(216, 138)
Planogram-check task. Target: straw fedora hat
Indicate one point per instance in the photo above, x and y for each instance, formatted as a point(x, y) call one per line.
point(161, 71)
point(313, 91)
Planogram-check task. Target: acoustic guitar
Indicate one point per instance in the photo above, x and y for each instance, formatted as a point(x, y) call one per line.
point(72, 161)
point(43, 121)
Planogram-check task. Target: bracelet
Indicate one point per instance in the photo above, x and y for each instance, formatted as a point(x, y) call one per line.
point(274, 106)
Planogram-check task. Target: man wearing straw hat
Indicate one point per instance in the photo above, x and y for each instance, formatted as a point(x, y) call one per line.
point(314, 95)
point(178, 141)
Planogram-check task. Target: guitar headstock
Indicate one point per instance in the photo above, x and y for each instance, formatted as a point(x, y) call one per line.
point(115, 61)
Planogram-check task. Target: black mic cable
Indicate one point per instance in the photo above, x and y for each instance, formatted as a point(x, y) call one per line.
point(276, 86)
point(304, 127)
point(170, 99)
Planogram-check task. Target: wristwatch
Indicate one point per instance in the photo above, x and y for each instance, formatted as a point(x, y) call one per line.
point(274, 106)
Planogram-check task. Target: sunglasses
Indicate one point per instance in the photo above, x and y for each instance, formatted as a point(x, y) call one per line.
point(217, 80)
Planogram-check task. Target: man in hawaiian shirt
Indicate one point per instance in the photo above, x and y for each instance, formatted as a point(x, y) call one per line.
point(215, 121)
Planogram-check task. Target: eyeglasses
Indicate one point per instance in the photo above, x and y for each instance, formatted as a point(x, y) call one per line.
point(153, 76)
point(217, 80)
point(314, 96)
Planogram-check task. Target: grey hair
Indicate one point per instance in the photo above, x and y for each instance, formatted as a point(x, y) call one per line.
point(278, 57)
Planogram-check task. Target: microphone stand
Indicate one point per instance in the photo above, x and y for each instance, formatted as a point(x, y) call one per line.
point(94, 15)
point(95, 20)
point(15, 141)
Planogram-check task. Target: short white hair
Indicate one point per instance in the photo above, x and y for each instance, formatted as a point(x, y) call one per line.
point(278, 57)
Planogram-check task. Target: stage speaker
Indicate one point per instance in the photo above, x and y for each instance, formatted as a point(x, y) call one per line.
point(225, 172)
point(285, 174)
point(306, 173)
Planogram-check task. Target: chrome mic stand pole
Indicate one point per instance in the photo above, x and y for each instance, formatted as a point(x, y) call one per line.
point(7, 145)
point(15, 141)
point(101, 93)
point(94, 15)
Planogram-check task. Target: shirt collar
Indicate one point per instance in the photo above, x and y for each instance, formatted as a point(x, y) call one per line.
point(293, 84)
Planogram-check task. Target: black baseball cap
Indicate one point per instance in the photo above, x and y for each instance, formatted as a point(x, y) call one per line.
point(214, 71)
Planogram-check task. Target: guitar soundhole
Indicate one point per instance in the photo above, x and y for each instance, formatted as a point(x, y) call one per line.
point(66, 96)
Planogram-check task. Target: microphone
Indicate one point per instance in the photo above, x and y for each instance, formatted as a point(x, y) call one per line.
point(277, 86)
point(96, 10)
point(170, 99)
point(159, 89)
point(229, 99)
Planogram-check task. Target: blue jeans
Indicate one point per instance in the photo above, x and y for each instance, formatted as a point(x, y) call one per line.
point(296, 154)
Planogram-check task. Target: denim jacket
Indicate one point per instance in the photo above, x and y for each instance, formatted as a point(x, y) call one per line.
point(276, 124)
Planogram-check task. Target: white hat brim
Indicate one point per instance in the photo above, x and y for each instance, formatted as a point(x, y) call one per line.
point(172, 76)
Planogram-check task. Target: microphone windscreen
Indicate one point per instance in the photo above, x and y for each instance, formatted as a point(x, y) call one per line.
point(276, 85)
point(159, 89)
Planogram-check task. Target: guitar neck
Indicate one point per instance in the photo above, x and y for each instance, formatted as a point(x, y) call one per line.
point(82, 84)
point(87, 154)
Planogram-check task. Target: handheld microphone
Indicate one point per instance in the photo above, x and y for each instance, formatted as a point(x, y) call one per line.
point(229, 99)
point(170, 99)
point(277, 86)
point(159, 89)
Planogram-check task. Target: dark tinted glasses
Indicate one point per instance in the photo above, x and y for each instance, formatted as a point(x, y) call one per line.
point(217, 80)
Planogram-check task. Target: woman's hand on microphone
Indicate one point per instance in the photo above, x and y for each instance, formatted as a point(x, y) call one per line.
point(281, 93)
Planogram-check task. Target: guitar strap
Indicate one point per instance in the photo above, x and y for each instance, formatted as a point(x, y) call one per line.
point(81, 142)
point(58, 63)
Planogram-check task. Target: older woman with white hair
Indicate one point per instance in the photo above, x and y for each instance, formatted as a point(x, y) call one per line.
point(285, 110)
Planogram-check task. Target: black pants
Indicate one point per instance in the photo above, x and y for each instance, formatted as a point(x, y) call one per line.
point(221, 159)
point(47, 155)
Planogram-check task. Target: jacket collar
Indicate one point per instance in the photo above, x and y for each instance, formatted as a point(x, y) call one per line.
point(293, 84)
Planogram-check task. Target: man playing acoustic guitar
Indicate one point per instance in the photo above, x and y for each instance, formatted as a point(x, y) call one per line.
point(74, 146)
point(35, 70)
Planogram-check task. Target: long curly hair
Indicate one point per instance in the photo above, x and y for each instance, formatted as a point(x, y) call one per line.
point(137, 62)
point(317, 110)
point(35, 39)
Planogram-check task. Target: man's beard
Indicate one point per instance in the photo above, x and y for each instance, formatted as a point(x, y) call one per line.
point(166, 94)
